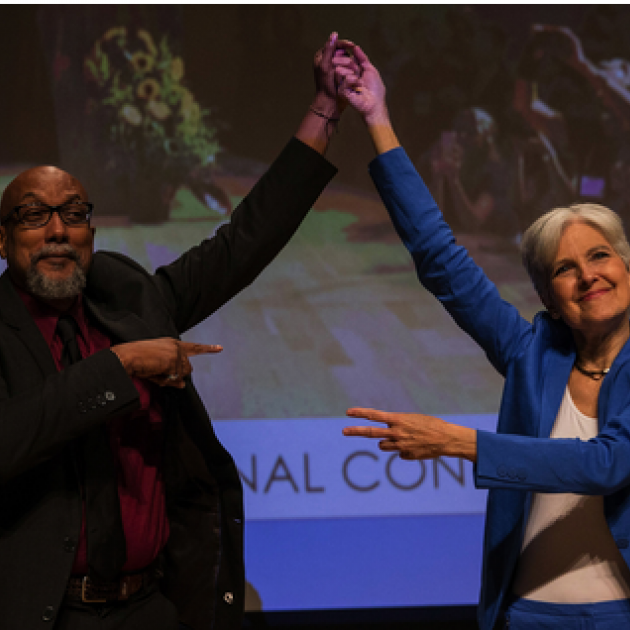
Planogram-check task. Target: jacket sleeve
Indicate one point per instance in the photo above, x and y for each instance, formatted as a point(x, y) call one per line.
point(599, 466)
point(445, 268)
point(37, 423)
point(210, 274)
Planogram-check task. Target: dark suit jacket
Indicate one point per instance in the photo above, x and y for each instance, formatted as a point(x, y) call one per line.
point(43, 411)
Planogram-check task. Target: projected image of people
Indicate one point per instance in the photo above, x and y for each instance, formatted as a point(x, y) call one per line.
point(556, 548)
point(579, 114)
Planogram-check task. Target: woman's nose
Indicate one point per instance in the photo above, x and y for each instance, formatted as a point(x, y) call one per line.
point(587, 273)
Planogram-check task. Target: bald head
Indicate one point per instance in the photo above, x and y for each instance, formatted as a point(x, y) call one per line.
point(50, 261)
point(47, 184)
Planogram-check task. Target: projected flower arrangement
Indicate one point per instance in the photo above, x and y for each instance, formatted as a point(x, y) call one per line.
point(156, 130)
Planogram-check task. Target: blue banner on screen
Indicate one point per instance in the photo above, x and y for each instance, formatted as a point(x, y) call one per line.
point(332, 522)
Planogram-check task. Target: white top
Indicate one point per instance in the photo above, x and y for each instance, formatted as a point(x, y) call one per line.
point(569, 555)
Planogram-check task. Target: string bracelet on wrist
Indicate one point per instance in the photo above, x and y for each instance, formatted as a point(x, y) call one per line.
point(328, 119)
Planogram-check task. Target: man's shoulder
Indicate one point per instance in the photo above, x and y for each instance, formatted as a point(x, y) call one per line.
point(105, 261)
point(113, 274)
point(118, 283)
point(112, 267)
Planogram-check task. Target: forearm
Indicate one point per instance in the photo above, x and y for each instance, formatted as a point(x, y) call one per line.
point(461, 442)
point(554, 465)
point(443, 266)
point(319, 124)
point(381, 132)
point(321, 120)
point(259, 228)
point(37, 424)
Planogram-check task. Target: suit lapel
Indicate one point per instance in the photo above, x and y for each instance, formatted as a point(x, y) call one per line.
point(14, 314)
point(119, 325)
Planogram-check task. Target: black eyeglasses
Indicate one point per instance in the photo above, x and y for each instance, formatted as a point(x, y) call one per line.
point(34, 215)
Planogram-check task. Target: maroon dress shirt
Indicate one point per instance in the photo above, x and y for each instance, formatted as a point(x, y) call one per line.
point(136, 440)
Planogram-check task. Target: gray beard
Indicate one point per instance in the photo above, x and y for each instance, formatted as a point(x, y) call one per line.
point(46, 288)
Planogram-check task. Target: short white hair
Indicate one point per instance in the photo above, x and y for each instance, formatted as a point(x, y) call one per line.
point(541, 240)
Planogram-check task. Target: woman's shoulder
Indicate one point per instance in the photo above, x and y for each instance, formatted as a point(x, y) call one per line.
point(547, 337)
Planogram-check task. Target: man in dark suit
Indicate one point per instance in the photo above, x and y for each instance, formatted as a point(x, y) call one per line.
point(119, 507)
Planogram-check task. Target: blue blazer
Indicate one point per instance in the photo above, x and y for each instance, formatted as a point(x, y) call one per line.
point(536, 360)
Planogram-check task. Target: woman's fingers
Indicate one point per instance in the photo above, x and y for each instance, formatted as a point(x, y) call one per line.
point(368, 432)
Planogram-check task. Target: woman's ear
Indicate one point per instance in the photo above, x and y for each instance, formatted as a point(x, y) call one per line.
point(555, 314)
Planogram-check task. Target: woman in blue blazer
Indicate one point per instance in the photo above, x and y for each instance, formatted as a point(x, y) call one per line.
point(556, 549)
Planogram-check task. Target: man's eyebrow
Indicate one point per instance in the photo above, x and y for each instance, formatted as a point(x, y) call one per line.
point(36, 197)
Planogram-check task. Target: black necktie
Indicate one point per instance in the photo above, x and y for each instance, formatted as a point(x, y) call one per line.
point(106, 548)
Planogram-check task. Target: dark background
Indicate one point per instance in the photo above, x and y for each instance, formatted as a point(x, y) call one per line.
point(252, 66)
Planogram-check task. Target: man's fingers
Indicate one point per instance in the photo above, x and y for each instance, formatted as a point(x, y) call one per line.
point(346, 44)
point(329, 50)
point(168, 381)
point(192, 349)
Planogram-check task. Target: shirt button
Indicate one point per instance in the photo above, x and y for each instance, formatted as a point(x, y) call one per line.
point(110, 396)
point(228, 598)
point(48, 614)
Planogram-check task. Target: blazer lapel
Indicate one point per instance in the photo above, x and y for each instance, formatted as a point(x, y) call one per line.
point(15, 315)
point(555, 380)
point(609, 405)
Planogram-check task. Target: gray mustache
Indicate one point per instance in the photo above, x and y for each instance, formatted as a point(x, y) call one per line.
point(55, 250)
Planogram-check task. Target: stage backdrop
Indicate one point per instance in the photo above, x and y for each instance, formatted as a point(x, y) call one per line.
point(169, 114)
